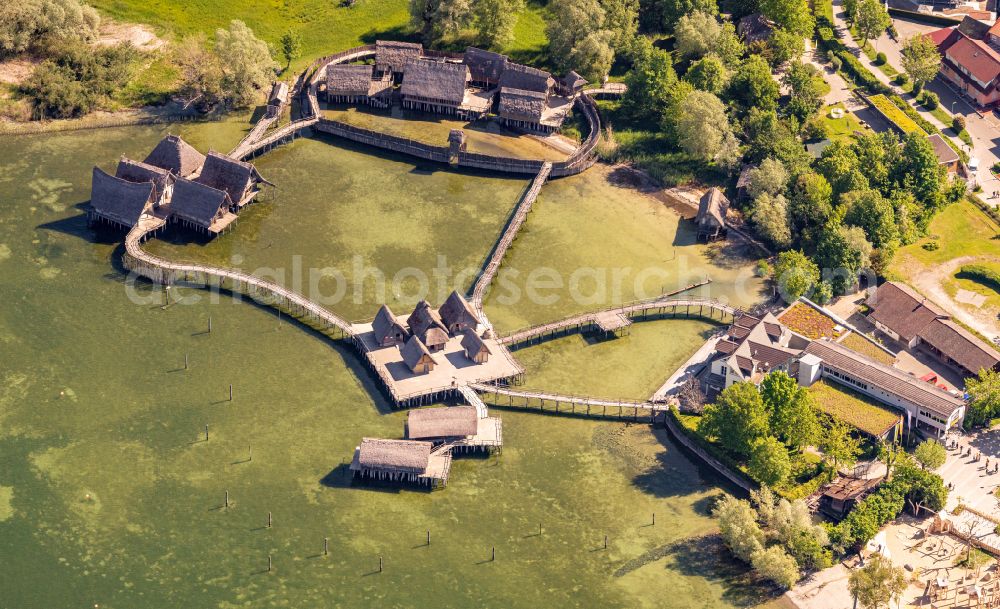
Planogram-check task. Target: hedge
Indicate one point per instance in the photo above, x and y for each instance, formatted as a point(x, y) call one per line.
point(982, 274)
point(989, 211)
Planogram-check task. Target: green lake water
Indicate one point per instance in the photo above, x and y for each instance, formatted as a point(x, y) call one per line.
point(110, 497)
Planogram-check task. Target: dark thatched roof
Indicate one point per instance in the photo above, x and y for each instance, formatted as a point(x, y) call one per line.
point(392, 54)
point(397, 455)
point(176, 155)
point(345, 79)
point(226, 173)
point(197, 203)
point(424, 317)
point(119, 200)
point(712, 209)
point(457, 310)
point(518, 76)
point(521, 105)
point(442, 422)
point(435, 80)
point(485, 66)
point(386, 325)
point(414, 352)
point(473, 344)
point(137, 171)
point(573, 80)
point(434, 337)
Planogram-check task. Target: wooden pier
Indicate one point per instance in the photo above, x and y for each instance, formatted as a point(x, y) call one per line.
point(665, 307)
point(575, 405)
point(507, 239)
point(164, 272)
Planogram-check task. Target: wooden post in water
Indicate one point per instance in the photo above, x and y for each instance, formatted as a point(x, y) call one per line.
point(326, 546)
point(493, 557)
point(209, 324)
point(250, 455)
point(428, 537)
point(654, 519)
point(269, 520)
point(230, 392)
point(185, 361)
point(227, 499)
point(268, 563)
point(605, 542)
point(380, 563)
point(206, 433)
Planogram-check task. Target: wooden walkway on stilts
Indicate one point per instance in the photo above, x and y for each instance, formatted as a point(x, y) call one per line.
point(657, 308)
point(507, 239)
point(265, 292)
point(583, 406)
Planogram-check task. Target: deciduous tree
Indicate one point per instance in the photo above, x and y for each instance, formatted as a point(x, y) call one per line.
point(838, 445)
point(769, 215)
point(795, 275)
point(24, 23)
point(984, 398)
point(792, 15)
point(776, 565)
point(877, 584)
point(769, 463)
point(708, 74)
point(495, 20)
point(871, 19)
point(737, 419)
point(696, 34)
point(793, 418)
point(200, 73)
point(752, 85)
point(806, 88)
point(703, 126)
point(291, 47)
point(246, 62)
point(921, 59)
point(769, 177)
point(738, 526)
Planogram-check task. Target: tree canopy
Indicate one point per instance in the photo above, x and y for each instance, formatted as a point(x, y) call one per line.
point(921, 59)
point(738, 418)
point(877, 584)
point(247, 66)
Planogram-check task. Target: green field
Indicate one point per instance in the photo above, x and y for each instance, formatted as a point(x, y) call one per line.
point(324, 25)
point(851, 407)
point(840, 129)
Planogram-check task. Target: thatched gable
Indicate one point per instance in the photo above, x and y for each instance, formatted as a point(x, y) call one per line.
point(521, 105)
point(485, 66)
point(392, 55)
point(176, 155)
point(279, 94)
point(475, 348)
point(423, 318)
point(435, 81)
point(442, 422)
point(199, 204)
point(394, 455)
point(416, 356)
point(117, 200)
point(712, 209)
point(345, 79)
point(518, 76)
point(571, 84)
point(388, 329)
point(137, 171)
point(225, 173)
point(435, 338)
point(457, 314)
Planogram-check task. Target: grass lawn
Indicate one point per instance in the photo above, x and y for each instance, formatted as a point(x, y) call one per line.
point(963, 282)
point(840, 129)
point(808, 322)
point(325, 25)
point(863, 346)
point(853, 408)
point(961, 229)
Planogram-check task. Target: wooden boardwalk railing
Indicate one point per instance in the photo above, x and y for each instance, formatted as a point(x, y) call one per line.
point(659, 307)
point(579, 405)
point(265, 292)
point(507, 238)
point(474, 400)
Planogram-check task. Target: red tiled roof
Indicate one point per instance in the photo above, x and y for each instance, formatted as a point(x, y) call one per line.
point(944, 38)
point(995, 28)
point(977, 57)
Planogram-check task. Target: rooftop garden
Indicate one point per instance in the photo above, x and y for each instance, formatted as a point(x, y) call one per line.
point(865, 347)
point(892, 113)
point(852, 408)
point(808, 322)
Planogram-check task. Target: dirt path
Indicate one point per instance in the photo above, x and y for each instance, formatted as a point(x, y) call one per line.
point(930, 282)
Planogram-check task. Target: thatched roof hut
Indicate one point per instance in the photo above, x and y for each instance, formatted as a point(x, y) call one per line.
point(137, 171)
point(119, 201)
point(388, 329)
point(237, 178)
point(517, 76)
point(176, 155)
point(457, 314)
point(424, 317)
point(392, 55)
point(201, 206)
point(485, 67)
point(521, 105)
point(571, 84)
point(711, 218)
point(435, 82)
point(348, 80)
point(475, 348)
point(442, 422)
point(279, 94)
point(394, 455)
point(417, 357)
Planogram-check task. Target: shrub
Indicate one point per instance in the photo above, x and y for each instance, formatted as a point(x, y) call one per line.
point(996, 167)
point(902, 79)
point(836, 63)
point(931, 246)
point(958, 124)
point(880, 59)
point(930, 100)
point(917, 88)
point(982, 274)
